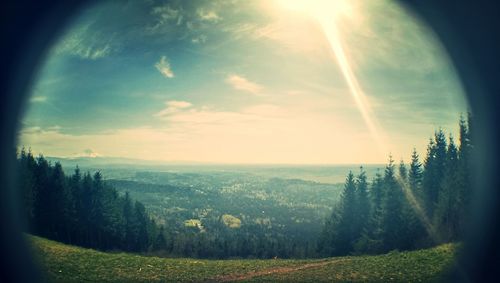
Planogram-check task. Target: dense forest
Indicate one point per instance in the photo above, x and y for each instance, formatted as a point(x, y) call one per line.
point(406, 207)
point(81, 209)
point(234, 215)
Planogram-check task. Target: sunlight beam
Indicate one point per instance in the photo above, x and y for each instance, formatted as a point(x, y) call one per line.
point(418, 209)
point(327, 13)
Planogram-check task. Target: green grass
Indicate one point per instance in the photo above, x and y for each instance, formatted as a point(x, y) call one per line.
point(429, 265)
point(64, 263)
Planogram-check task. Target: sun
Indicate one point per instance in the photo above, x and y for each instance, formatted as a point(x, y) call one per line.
point(327, 13)
point(319, 9)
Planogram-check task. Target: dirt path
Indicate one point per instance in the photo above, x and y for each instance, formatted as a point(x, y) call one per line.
point(270, 271)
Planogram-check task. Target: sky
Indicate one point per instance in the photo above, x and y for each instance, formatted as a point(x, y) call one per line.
point(235, 81)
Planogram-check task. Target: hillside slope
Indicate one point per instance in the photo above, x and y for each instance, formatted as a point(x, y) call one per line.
point(64, 263)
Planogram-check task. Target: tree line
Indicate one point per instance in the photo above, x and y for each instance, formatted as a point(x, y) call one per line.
point(81, 209)
point(84, 210)
point(406, 207)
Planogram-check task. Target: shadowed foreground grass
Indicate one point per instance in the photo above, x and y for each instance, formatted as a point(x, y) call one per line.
point(64, 263)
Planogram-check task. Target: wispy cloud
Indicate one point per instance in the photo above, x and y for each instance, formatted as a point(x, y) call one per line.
point(36, 99)
point(164, 16)
point(259, 133)
point(199, 39)
point(85, 44)
point(208, 15)
point(163, 66)
point(308, 114)
point(241, 83)
point(173, 106)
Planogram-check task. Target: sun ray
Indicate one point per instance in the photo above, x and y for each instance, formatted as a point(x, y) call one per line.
point(326, 13)
point(416, 206)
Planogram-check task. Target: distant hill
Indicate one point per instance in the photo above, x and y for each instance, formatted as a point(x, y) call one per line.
point(64, 263)
point(318, 173)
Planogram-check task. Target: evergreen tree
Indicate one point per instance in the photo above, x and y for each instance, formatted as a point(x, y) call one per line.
point(86, 207)
point(28, 186)
point(377, 192)
point(416, 228)
point(142, 221)
point(435, 165)
point(75, 207)
point(128, 223)
point(346, 227)
point(363, 205)
point(407, 210)
point(415, 207)
point(415, 176)
point(60, 203)
point(403, 171)
point(447, 209)
point(464, 169)
point(41, 206)
point(392, 219)
point(329, 236)
point(371, 239)
point(160, 243)
point(82, 210)
point(97, 210)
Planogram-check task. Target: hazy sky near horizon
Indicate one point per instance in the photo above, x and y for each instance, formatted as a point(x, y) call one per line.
point(243, 82)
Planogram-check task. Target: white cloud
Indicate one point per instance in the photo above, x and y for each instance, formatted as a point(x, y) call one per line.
point(173, 106)
point(199, 39)
point(163, 66)
point(165, 12)
point(208, 15)
point(165, 15)
point(243, 84)
point(38, 99)
point(259, 133)
point(84, 43)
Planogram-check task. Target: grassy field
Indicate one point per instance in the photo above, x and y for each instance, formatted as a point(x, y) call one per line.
point(64, 263)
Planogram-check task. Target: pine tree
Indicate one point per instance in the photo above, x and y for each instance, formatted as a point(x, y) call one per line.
point(371, 240)
point(464, 177)
point(447, 209)
point(142, 221)
point(339, 236)
point(407, 211)
point(61, 202)
point(328, 238)
point(435, 165)
point(403, 171)
point(112, 218)
point(41, 206)
point(392, 219)
point(128, 223)
point(86, 201)
point(160, 243)
point(75, 206)
point(377, 192)
point(415, 176)
point(416, 226)
point(97, 210)
point(27, 165)
point(363, 205)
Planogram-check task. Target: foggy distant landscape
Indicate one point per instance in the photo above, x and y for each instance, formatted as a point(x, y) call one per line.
point(127, 169)
point(288, 202)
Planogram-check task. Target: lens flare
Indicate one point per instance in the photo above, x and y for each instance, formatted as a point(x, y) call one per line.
point(417, 208)
point(327, 13)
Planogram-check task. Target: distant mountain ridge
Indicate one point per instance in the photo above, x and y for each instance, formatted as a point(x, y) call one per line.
point(317, 173)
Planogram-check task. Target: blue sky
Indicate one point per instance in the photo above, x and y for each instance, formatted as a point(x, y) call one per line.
point(243, 82)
